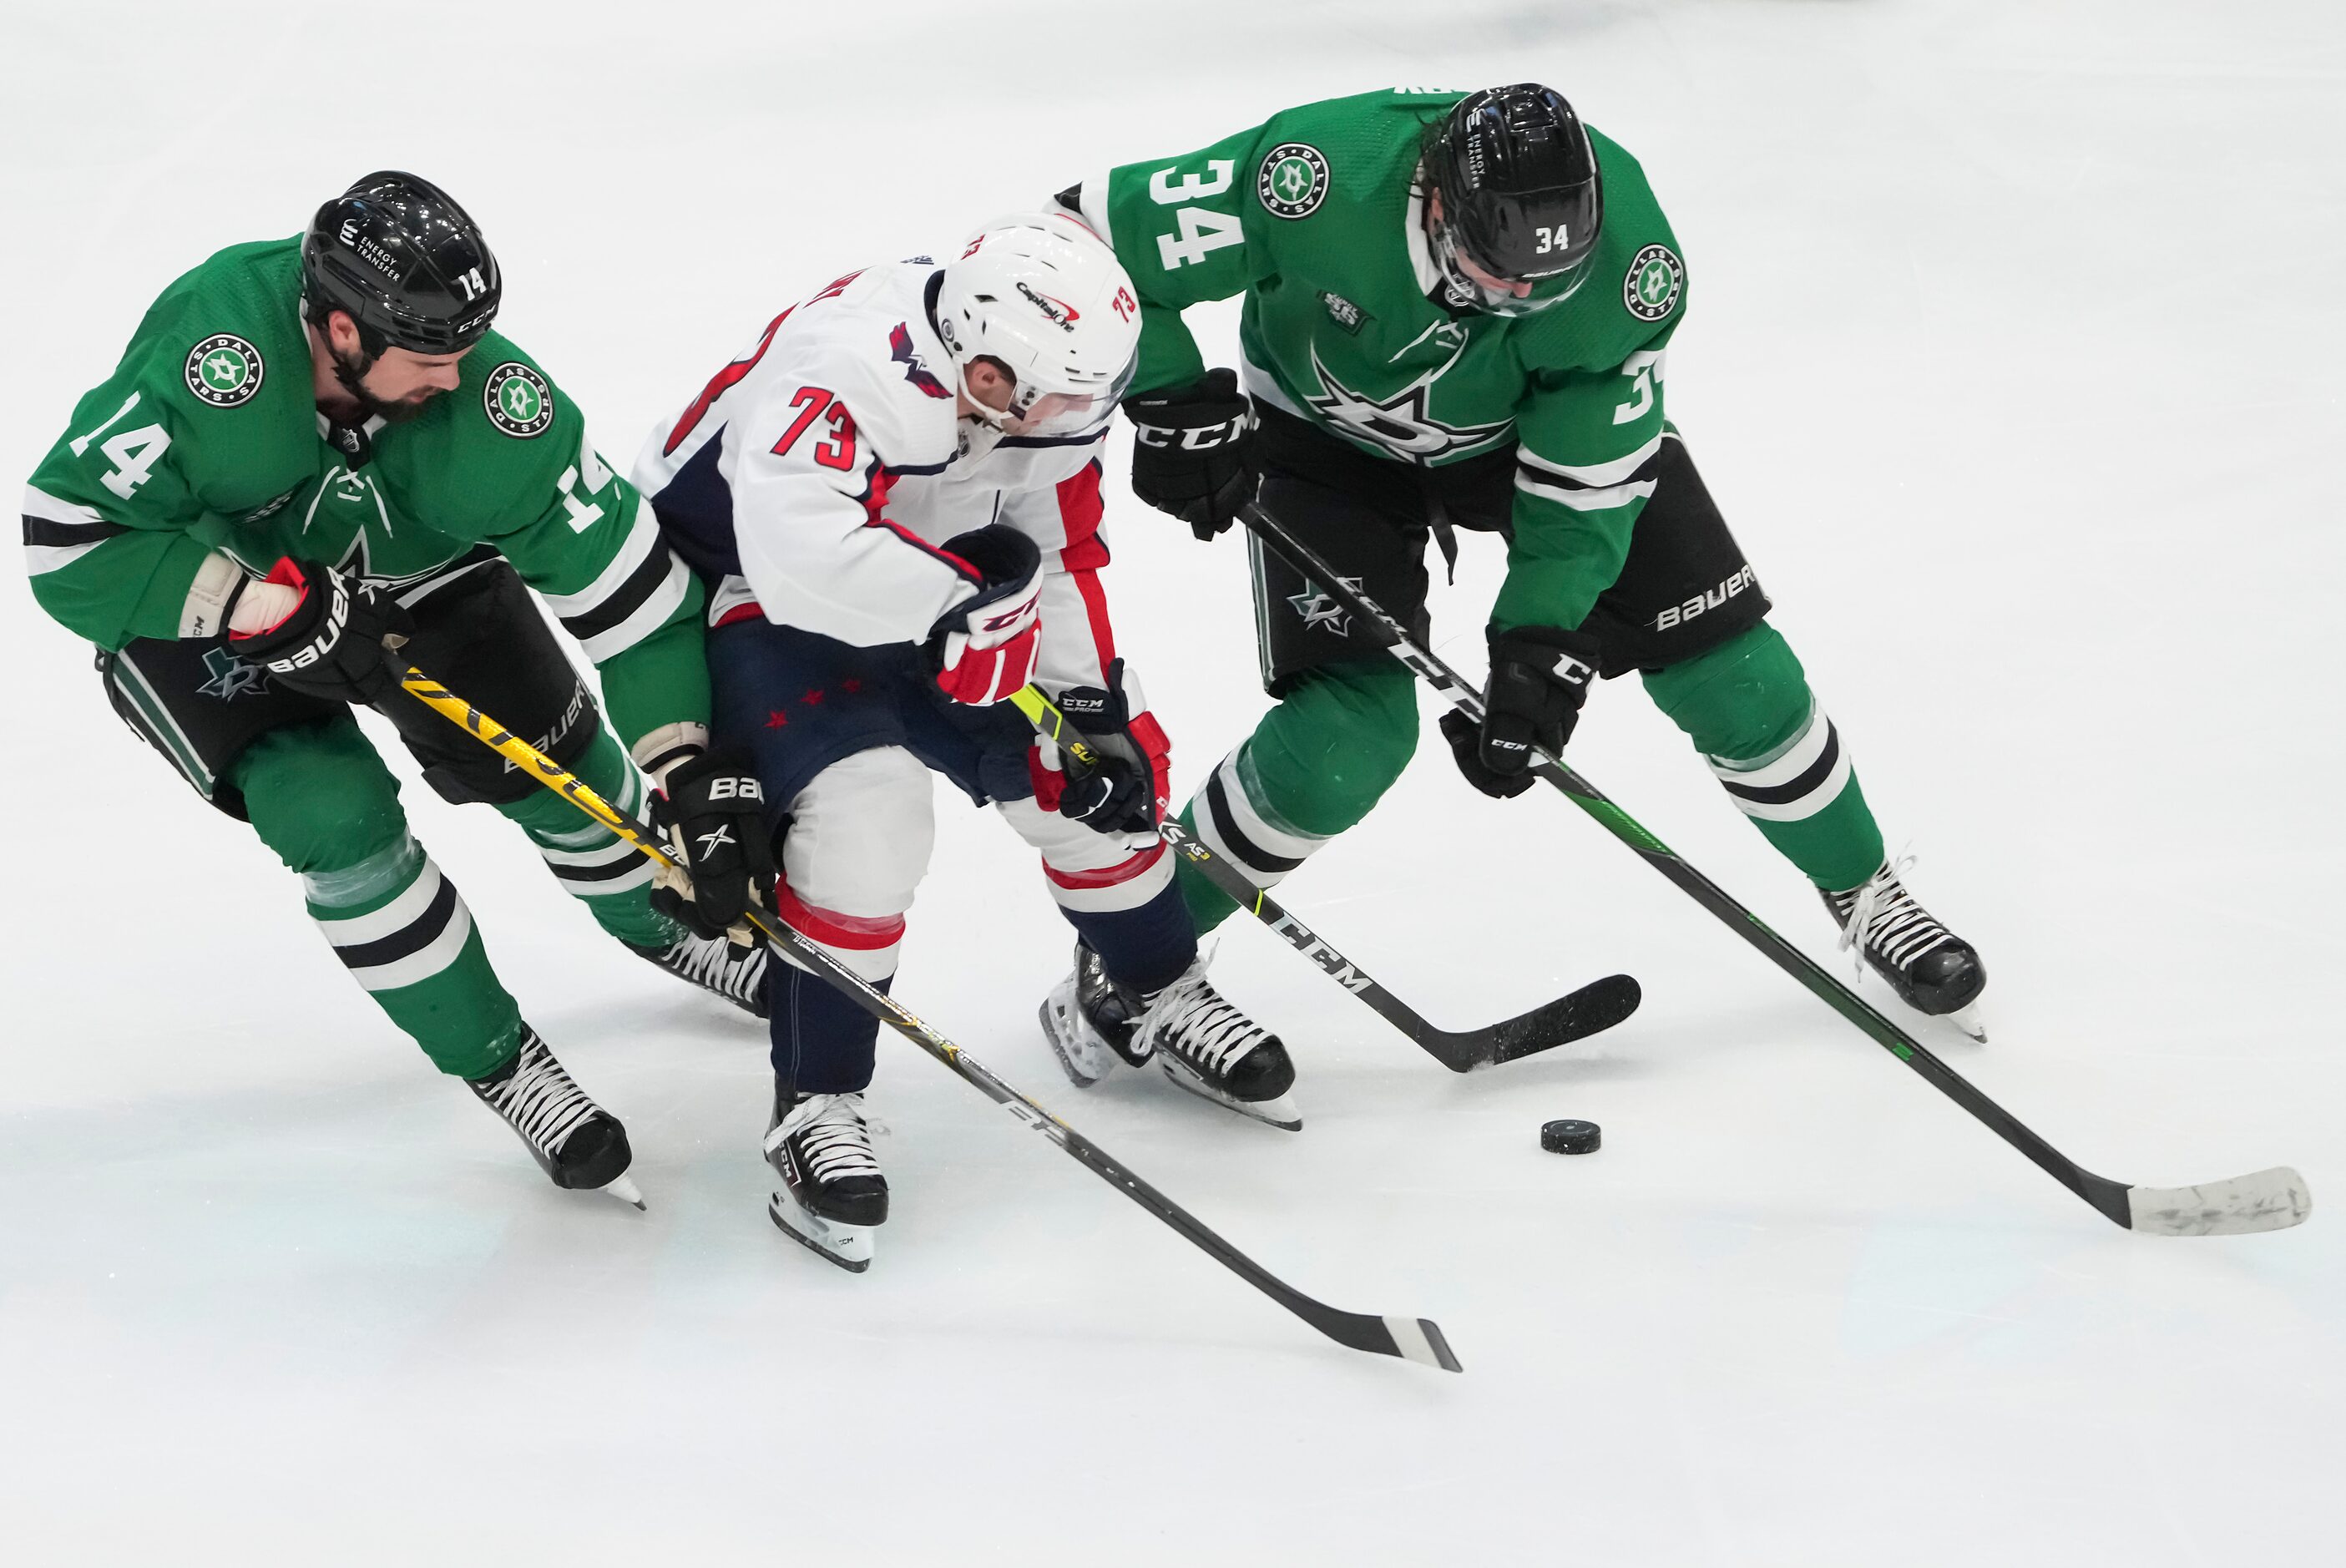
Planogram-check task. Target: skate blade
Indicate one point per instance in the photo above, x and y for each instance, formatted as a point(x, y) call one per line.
point(848, 1246)
point(1085, 1061)
point(1281, 1113)
point(624, 1190)
point(1967, 1019)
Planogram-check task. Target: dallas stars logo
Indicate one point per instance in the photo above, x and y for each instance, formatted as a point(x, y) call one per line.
point(224, 370)
point(231, 677)
point(1319, 608)
point(1401, 423)
point(1292, 179)
point(518, 400)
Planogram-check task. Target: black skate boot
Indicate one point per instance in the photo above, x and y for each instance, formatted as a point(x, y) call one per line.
point(832, 1195)
point(719, 966)
point(1931, 969)
point(1089, 1022)
point(575, 1141)
point(1212, 1049)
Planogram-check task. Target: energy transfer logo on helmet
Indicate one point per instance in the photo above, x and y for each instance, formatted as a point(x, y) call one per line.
point(518, 400)
point(1293, 180)
point(1652, 286)
point(224, 370)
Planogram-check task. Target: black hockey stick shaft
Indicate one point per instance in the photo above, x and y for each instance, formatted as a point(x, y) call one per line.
point(1598, 1005)
point(1413, 1338)
point(2110, 1198)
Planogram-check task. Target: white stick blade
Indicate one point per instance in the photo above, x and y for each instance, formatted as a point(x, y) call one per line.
point(2267, 1200)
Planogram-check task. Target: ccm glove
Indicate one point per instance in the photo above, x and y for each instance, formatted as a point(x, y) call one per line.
point(712, 815)
point(1539, 678)
point(335, 642)
point(1123, 789)
point(1193, 450)
point(984, 647)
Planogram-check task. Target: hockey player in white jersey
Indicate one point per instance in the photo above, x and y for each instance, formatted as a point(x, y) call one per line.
point(894, 496)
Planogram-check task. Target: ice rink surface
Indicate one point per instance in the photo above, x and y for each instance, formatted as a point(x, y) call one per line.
point(2013, 358)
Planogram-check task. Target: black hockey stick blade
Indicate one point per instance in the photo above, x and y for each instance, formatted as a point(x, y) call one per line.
point(1595, 1007)
point(1418, 1340)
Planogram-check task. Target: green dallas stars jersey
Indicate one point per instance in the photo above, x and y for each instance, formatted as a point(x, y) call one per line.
point(207, 438)
point(1314, 215)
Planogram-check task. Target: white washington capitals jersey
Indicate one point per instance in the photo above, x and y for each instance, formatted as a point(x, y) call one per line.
point(814, 475)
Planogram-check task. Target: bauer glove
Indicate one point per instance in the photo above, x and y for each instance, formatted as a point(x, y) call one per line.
point(1193, 450)
point(1539, 678)
point(334, 643)
point(710, 814)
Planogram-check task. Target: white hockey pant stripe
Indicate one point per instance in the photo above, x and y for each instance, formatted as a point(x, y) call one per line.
point(1080, 854)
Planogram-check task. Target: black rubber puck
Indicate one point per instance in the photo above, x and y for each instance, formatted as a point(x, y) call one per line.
point(1570, 1137)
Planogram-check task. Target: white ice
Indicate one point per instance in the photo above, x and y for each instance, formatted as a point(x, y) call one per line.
point(2013, 357)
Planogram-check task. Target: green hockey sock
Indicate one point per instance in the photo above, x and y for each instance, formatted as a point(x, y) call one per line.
point(1746, 707)
point(1315, 765)
point(602, 871)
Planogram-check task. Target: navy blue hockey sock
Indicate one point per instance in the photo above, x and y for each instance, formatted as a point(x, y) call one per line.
point(823, 1044)
point(1143, 950)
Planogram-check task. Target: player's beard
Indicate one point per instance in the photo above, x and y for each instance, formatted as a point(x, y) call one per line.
point(351, 375)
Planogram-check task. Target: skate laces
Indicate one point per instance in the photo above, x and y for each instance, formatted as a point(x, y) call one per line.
point(709, 961)
point(540, 1099)
point(833, 1138)
point(1883, 916)
point(1190, 1018)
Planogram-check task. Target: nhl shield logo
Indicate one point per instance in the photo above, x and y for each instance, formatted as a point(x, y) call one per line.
point(518, 400)
point(1655, 278)
point(224, 370)
point(1292, 181)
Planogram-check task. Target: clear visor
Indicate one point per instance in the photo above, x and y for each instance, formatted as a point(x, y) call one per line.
point(1495, 295)
point(1034, 412)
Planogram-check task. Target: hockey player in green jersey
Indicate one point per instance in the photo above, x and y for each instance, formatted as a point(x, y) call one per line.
point(316, 451)
point(1456, 309)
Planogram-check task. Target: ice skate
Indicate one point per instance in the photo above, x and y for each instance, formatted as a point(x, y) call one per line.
point(833, 1193)
point(1090, 1022)
point(1212, 1049)
point(575, 1141)
point(719, 966)
point(1933, 970)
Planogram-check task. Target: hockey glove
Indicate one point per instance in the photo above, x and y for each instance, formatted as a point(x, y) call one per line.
point(712, 815)
point(1123, 790)
point(335, 642)
point(1193, 450)
point(1539, 678)
point(984, 647)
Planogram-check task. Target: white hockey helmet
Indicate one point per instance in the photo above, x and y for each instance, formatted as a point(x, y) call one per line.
point(1045, 297)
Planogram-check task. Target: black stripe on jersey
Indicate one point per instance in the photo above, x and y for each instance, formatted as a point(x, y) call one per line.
point(631, 594)
point(610, 872)
point(412, 938)
point(1253, 855)
point(1051, 439)
point(1549, 479)
point(50, 532)
point(898, 471)
point(1811, 777)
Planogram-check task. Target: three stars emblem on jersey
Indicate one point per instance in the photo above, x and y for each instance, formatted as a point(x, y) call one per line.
point(224, 370)
point(1321, 609)
point(1401, 423)
point(1293, 180)
point(1655, 278)
point(518, 400)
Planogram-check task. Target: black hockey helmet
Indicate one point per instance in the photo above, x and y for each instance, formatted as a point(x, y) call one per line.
point(1521, 194)
point(407, 264)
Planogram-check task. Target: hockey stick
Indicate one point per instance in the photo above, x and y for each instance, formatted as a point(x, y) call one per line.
point(2272, 1200)
point(1599, 1005)
point(1411, 1338)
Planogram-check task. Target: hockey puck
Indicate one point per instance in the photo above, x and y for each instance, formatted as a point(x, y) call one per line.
point(1569, 1137)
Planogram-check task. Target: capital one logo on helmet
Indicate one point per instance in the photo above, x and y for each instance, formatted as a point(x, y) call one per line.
point(518, 400)
point(224, 370)
point(1061, 314)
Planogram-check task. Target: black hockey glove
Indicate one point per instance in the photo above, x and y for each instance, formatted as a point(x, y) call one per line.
point(712, 815)
point(336, 643)
point(1123, 789)
point(1539, 678)
point(1193, 450)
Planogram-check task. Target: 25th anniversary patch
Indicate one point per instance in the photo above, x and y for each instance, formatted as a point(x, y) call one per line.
point(518, 400)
